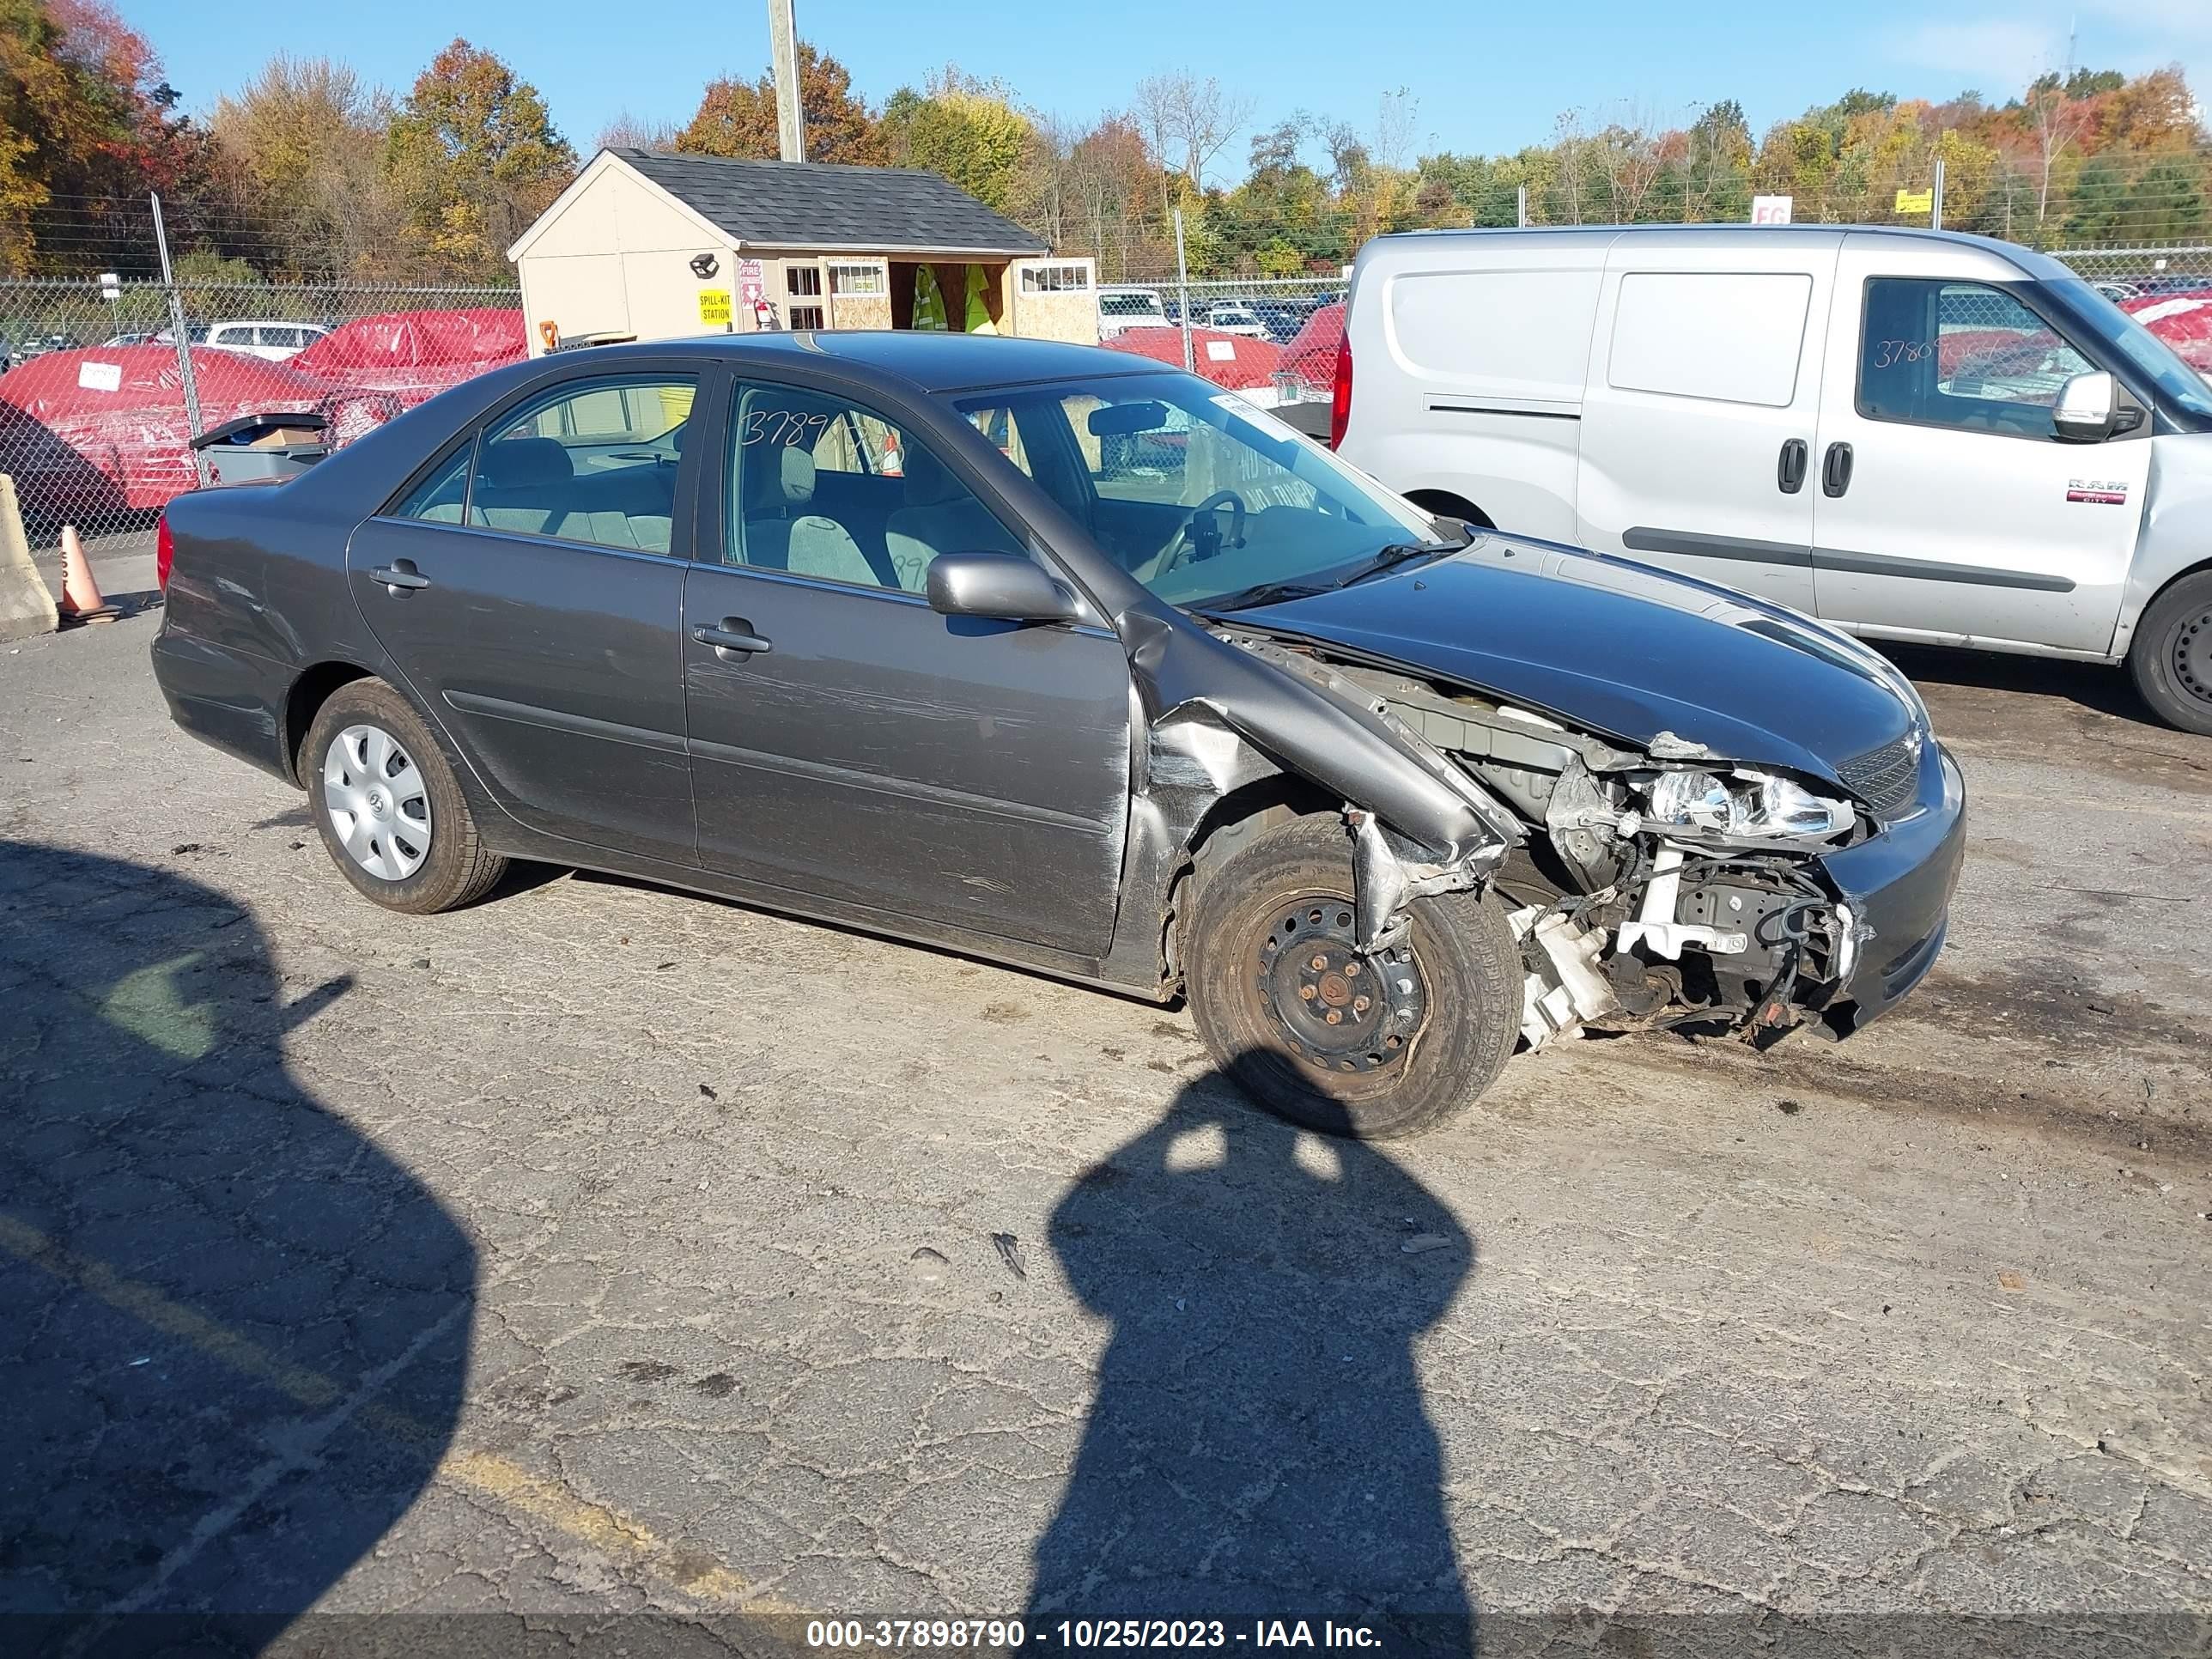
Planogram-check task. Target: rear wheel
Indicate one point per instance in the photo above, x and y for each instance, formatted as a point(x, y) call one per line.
point(390, 812)
point(1369, 1046)
point(2171, 656)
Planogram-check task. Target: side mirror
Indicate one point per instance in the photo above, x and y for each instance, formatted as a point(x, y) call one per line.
point(1001, 585)
point(2087, 410)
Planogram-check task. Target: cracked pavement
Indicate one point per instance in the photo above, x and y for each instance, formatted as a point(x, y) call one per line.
point(604, 1250)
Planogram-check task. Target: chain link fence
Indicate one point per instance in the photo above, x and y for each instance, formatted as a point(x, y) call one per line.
point(100, 397)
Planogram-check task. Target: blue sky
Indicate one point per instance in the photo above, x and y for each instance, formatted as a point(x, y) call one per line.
point(1482, 77)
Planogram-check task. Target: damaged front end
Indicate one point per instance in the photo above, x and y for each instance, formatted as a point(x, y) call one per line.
point(1659, 886)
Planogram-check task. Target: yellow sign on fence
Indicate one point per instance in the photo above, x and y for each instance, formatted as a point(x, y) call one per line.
point(714, 305)
point(1915, 200)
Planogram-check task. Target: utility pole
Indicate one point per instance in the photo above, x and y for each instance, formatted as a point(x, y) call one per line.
point(783, 57)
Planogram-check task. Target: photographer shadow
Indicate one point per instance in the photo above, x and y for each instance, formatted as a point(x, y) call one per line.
point(233, 1333)
point(1259, 1449)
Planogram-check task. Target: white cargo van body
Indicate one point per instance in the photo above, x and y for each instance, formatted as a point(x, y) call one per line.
point(1863, 424)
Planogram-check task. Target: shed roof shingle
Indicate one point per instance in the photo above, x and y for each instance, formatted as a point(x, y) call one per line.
point(815, 204)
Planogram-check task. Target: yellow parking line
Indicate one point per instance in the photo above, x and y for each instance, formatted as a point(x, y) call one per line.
point(608, 1530)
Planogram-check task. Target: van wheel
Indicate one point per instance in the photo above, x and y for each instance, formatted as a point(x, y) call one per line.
point(2171, 656)
point(390, 812)
point(1370, 1047)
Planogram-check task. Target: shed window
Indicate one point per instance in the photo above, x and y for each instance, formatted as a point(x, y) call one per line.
point(1055, 279)
point(802, 279)
point(859, 279)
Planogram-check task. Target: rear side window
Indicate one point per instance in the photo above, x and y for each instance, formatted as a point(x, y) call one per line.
point(1962, 354)
point(591, 463)
point(443, 498)
point(1726, 337)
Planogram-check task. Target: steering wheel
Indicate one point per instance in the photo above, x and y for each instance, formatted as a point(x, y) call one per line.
point(1202, 530)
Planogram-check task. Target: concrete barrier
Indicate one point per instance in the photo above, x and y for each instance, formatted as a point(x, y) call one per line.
point(26, 607)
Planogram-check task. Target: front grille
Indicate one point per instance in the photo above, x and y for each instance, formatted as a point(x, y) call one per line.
point(1886, 778)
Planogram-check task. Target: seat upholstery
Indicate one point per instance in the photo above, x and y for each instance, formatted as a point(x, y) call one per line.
point(941, 515)
point(777, 484)
point(520, 484)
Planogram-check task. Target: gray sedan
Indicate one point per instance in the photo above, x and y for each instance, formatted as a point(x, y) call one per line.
point(1051, 656)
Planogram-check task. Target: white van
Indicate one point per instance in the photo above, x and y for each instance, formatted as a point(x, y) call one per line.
point(1913, 434)
point(1121, 308)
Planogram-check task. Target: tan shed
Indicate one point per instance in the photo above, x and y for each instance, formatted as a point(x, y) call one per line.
point(649, 245)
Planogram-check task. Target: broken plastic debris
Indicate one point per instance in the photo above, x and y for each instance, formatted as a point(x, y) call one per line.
point(1010, 1252)
point(928, 1266)
point(1420, 1241)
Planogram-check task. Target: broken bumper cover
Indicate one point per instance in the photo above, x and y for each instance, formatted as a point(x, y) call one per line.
point(1899, 887)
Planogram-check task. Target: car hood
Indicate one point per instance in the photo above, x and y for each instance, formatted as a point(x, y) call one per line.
point(1620, 649)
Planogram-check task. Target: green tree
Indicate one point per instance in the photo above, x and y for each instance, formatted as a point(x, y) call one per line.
point(473, 159)
point(966, 130)
point(300, 149)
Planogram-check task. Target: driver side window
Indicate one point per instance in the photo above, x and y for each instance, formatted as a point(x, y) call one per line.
point(1962, 354)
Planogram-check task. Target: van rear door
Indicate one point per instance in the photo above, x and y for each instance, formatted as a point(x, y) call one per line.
point(1698, 419)
point(1948, 511)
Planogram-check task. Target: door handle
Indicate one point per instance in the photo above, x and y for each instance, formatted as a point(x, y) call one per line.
point(734, 639)
point(1789, 467)
point(1836, 470)
point(399, 575)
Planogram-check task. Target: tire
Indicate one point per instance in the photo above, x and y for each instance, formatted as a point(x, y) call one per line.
point(1278, 902)
point(2171, 656)
point(391, 797)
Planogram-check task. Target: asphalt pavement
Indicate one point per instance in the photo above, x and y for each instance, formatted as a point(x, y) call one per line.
point(601, 1252)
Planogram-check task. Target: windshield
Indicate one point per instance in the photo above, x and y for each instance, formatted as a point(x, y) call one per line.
point(2143, 351)
point(1195, 492)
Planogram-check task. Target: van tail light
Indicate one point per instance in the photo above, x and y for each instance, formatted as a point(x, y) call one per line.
point(165, 551)
point(1340, 401)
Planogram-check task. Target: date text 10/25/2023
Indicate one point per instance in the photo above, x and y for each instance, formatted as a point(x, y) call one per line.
point(1011, 1635)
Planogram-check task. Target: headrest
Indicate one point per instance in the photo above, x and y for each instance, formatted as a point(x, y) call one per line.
point(519, 463)
point(777, 477)
point(928, 481)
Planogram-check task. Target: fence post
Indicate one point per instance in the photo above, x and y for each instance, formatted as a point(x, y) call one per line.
point(1182, 299)
point(184, 339)
point(1935, 198)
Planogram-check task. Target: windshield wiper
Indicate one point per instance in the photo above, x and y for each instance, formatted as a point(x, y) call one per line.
point(1247, 598)
point(1398, 553)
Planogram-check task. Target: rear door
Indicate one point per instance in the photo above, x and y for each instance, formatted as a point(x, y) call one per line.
point(1698, 420)
point(1947, 508)
point(529, 593)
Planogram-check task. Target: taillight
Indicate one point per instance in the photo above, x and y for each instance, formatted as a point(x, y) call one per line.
point(165, 551)
point(1340, 403)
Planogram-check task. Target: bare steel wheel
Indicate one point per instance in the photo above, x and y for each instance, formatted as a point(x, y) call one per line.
point(1370, 1046)
point(378, 802)
point(393, 817)
point(2172, 655)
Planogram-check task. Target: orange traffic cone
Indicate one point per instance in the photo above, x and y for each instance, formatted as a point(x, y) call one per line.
point(81, 600)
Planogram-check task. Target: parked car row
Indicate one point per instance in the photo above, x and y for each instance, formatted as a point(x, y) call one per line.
point(1276, 317)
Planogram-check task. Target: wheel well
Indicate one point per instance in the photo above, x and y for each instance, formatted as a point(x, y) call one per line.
point(1458, 506)
point(305, 700)
point(1227, 825)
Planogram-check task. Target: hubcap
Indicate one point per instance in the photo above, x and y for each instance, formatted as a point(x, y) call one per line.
point(2192, 657)
point(378, 802)
point(1338, 1011)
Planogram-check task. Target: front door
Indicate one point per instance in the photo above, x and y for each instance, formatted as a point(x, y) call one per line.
point(1698, 420)
point(849, 742)
point(529, 593)
point(1947, 508)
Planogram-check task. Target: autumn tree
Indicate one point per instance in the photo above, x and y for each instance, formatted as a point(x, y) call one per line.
point(85, 120)
point(738, 117)
point(474, 159)
point(301, 149)
point(1190, 122)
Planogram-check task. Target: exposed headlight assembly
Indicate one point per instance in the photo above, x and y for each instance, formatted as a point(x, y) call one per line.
point(1745, 803)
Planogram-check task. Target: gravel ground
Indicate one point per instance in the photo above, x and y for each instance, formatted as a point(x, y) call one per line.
point(604, 1251)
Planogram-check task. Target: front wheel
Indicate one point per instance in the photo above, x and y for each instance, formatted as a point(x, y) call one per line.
point(2171, 656)
point(1369, 1047)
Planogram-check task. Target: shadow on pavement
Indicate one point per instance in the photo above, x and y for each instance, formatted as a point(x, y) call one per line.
point(233, 1333)
point(1259, 1447)
point(2095, 686)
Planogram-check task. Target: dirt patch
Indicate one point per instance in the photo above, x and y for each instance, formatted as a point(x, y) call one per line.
point(2045, 1000)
